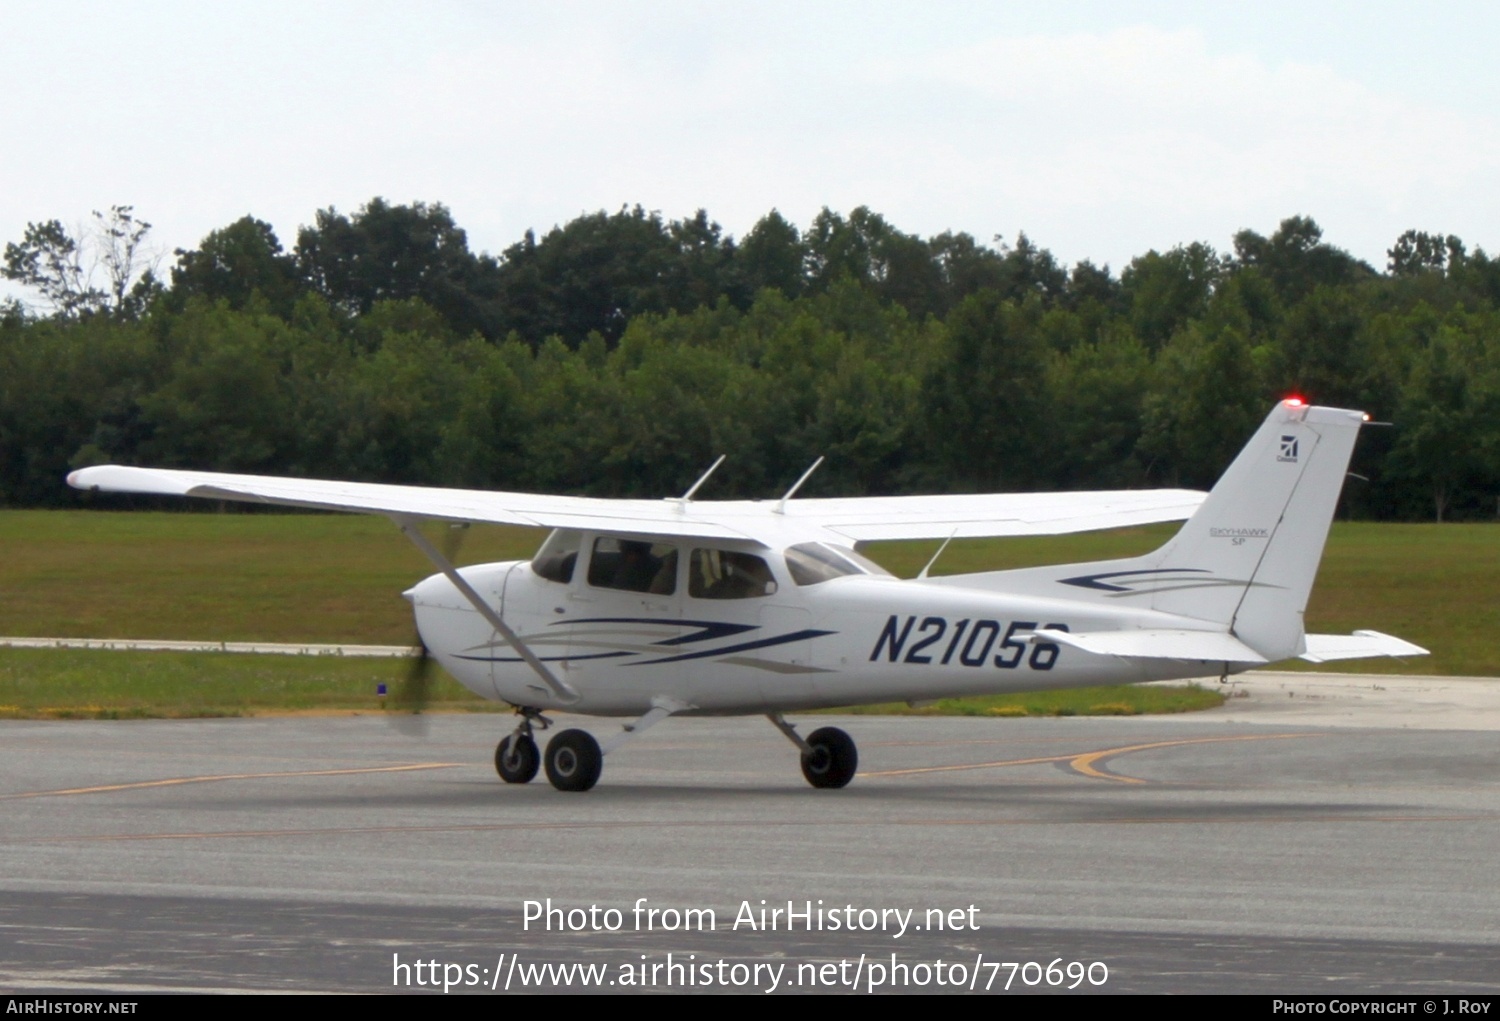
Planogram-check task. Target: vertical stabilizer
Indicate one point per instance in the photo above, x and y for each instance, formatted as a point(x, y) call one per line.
point(1248, 557)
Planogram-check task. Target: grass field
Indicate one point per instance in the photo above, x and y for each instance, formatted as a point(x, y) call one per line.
point(95, 684)
point(221, 577)
point(333, 578)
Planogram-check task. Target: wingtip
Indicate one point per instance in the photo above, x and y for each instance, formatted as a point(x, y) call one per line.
point(78, 478)
point(115, 478)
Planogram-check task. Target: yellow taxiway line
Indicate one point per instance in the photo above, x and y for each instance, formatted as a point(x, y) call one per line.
point(1086, 763)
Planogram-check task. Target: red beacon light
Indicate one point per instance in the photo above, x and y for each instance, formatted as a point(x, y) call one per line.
point(1295, 402)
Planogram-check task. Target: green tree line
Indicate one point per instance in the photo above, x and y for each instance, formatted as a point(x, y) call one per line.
point(619, 353)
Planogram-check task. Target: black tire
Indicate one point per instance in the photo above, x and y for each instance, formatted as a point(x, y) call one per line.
point(833, 759)
point(516, 758)
point(574, 761)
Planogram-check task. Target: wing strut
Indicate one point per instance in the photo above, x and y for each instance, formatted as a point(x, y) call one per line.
point(661, 708)
point(560, 688)
point(935, 556)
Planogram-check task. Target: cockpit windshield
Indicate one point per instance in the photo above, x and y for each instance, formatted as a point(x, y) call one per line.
point(558, 556)
point(812, 563)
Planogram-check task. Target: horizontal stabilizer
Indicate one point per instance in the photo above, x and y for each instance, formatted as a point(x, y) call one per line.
point(1360, 645)
point(1157, 643)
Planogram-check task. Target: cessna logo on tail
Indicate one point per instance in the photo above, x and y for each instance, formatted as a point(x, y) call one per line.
point(1288, 449)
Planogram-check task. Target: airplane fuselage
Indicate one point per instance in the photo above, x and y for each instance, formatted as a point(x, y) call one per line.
point(849, 640)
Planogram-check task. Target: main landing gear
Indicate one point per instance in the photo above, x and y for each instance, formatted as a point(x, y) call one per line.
point(829, 758)
point(574, 761)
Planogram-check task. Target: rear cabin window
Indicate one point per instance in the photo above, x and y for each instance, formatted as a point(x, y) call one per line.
point(727, 574)
point(633, 566)
point(558, 556)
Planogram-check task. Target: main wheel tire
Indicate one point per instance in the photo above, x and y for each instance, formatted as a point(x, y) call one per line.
point(833, 759)
point(574, 761)
point(517, 759)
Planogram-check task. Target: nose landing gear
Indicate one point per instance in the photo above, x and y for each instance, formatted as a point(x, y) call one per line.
point(516, 757)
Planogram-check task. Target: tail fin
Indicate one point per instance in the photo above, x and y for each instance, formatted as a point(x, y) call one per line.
point(1245, 561)
point(1248, 557)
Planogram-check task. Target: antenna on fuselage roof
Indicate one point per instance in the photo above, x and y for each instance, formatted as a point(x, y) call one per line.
point(686, 498)
point(781, 507)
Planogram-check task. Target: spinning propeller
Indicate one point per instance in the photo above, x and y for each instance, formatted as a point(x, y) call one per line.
point(413, 693)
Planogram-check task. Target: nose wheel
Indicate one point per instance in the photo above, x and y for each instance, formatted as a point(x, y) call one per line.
point(516, 757)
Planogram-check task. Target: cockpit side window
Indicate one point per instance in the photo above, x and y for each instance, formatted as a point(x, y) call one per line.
point(633, 566)
point(812, 563)
point(558, 556)
point(727, 574)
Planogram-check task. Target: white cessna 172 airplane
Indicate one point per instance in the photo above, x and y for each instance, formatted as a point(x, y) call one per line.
point(650, 608)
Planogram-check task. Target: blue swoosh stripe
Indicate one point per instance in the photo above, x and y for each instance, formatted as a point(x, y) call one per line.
point(707, 629)
point(1095, 581)
point(763, 643)
point(544, 659)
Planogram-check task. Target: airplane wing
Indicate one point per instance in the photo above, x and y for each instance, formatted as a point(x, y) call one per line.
point(531, 509)
point(767, 523)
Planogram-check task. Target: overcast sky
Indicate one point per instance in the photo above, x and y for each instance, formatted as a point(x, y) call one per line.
point(1100, 129)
